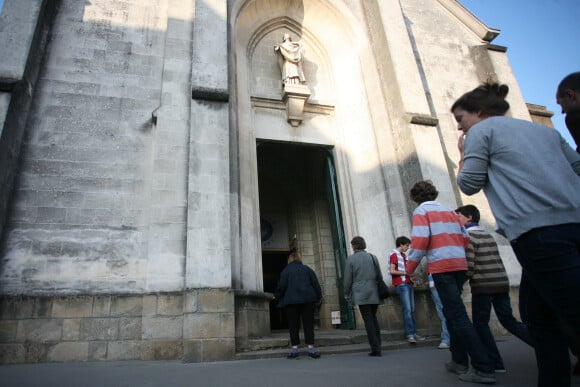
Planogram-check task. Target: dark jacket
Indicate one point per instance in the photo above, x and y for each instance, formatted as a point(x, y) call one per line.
point(573, 124)
point(298, 285)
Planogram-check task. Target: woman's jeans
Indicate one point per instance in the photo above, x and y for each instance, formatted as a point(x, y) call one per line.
point(481, 310)
point(550, 292)
point(407, 296)
point(464, 338)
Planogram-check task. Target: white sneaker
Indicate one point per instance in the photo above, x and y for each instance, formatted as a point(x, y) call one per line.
point(411, 340)
point(443, 345)
point(419, 338)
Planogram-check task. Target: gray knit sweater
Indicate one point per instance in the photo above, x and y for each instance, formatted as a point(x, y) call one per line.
point(528, 172)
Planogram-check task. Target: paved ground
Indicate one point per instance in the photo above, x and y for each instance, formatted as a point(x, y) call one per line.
point(421, 366)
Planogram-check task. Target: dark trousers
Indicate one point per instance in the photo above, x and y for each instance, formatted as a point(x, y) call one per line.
point(481, 309)
point(464, 338)
point(369, 316)
point(550, 292)
point(304, 312)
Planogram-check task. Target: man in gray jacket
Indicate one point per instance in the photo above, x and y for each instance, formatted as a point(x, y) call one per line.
point(360, 288)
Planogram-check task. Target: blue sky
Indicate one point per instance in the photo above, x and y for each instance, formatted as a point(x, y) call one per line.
point(543, 41)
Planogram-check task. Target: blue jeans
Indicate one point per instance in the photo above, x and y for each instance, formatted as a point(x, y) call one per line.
point(481, 310)
point(550, 259)
point(464, 338)
point(439, 307)
point(407, 296)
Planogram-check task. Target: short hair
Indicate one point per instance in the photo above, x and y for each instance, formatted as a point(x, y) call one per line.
point(358, 243)
point(571, 81)
point(469, 210)
point(488, 98)
point(402, 240)
point(296, 256)
point(423, 191)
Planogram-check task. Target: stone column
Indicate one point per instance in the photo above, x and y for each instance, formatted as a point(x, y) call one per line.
point(208, 254)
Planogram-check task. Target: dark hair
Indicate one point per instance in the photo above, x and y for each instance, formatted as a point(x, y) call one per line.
point(571, 81)
point(295, 256)
point(423, 191)
point(469, 210)
point(403, 240)
point(358, 243)
point(488, 98)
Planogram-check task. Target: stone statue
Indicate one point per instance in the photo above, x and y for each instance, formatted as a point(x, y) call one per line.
point(290, 56)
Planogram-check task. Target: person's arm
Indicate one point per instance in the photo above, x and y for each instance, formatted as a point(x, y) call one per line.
point(315, 283)
point(572, 156)
point(461, 147)
point(473, 174)
point(420, 239)
point(470, 254)
point(347, 281)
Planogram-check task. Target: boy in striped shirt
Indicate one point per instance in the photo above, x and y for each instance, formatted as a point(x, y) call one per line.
point(438, 234)
point(489, 286)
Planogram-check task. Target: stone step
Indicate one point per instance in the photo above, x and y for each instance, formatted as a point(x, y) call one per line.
point(327, 343)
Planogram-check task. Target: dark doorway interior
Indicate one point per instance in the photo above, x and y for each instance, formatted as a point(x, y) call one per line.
point(273, 263)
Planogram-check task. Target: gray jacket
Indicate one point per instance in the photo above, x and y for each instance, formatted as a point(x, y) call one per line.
point(360, 279)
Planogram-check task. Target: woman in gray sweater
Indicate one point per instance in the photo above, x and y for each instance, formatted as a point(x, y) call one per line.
point(531, 178)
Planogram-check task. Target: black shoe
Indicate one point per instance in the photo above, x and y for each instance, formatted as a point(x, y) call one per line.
point(313, 355)
point(292, 355)
point(375, 354)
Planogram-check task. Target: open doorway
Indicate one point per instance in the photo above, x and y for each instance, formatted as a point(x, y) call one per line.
point(295, 204)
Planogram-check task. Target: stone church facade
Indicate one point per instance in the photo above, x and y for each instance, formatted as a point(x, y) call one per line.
point(155, 170)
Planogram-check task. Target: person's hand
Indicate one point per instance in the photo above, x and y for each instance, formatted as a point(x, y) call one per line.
point(461, 147)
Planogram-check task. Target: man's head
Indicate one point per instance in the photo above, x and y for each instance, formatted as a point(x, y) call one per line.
point(358, 243)
point(468, 214)
point(423, 191)
point(568, 93)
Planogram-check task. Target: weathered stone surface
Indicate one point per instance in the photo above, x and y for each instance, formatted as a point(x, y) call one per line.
point(39, 330)
point(130, 350)
point(97, 351)
point(126, 306)
point(8, 331)
point(72, 351)
point(162, 327)
point(130, 328)
point(36, 352)
point(12, 353)
point(68, 307)
point(71, 329)
point(101, 306)
point(99, 329)
point(168, 349)
point(16, 307)
point(170, 304)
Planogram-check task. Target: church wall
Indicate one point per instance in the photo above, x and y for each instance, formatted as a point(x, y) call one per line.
point(84, 196)
point(134, 229)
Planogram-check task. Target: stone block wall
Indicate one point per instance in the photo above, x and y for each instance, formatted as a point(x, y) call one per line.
point(193, 326)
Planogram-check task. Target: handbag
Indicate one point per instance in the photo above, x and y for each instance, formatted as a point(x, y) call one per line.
point(382, 287)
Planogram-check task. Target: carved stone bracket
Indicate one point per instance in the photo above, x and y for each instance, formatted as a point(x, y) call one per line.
point(294, 98)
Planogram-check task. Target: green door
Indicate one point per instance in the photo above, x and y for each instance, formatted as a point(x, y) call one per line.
point(338, 239)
